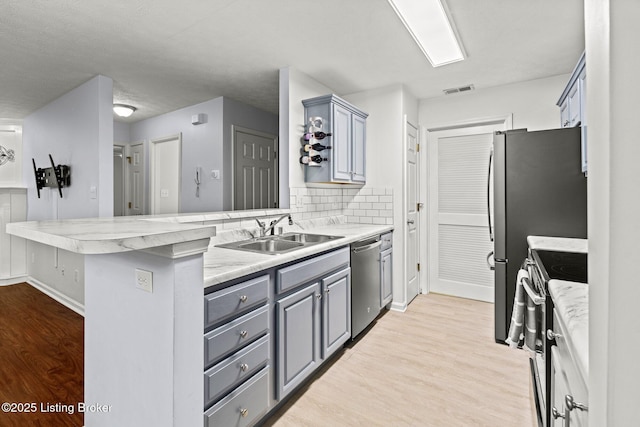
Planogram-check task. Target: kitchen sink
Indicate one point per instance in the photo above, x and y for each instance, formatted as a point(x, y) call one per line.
point(307, 238)
point(279, 244)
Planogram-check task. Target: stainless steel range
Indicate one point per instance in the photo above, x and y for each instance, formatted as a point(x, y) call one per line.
point(543, 266)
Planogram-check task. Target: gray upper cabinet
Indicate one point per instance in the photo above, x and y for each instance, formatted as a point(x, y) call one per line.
point(346, 160)
point(572, 105)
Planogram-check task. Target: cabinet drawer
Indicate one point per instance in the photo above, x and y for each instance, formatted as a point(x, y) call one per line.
point(243, 406)
point(236, 368)
point(235, 335)
point(235, 299)
point(305, 271)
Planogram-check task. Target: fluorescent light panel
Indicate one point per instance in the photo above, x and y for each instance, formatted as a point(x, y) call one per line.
point(428, 24)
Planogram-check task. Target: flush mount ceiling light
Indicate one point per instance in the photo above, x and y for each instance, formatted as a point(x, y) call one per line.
point(123, 110)
point(429, 25)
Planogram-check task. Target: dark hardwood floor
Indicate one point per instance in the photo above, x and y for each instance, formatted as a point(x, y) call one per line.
point(41, 359)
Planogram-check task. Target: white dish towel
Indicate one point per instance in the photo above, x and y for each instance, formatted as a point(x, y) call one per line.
point(523, 317)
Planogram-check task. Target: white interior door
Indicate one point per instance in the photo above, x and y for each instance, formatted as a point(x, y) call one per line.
point(255, 169)
point(458, 222)
point(136, 179)
point(412, 242)
point(165, 174)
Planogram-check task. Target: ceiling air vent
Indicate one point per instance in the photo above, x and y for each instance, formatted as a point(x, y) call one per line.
point(466, 88)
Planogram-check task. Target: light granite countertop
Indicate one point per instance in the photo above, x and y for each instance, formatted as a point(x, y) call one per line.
point(560, 244)
point(571, 301)
point(109, 235)
point(127, 233)
point(223, 264)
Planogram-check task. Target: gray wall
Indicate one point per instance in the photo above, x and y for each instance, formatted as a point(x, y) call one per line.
point(77, 130)
point(207, 146)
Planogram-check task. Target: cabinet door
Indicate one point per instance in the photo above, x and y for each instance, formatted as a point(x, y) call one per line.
point(564, 114)
point(386, 276)
point(574, 105)
point(359, 152)
point(336, 311)
point(341, 144)
point(298, 324)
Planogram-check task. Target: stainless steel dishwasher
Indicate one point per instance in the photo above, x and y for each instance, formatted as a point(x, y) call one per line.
point(365, 283)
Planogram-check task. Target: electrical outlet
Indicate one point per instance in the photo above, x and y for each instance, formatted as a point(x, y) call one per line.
point(76, 276)
point(144, 280)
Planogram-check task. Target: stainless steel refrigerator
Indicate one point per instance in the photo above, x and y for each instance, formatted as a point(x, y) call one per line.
point(538, 189)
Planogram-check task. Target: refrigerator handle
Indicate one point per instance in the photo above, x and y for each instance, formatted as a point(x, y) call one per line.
point(489, 194)
point(491, 266)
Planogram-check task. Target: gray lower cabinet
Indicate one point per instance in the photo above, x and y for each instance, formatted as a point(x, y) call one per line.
point(245, 372)
point(313, 320)
point(242, 407)
point(336, 311)
point(237, 352)
point(386, 269)
point(298, 320)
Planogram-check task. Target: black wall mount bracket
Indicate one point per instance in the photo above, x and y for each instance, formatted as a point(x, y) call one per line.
point(55, 176)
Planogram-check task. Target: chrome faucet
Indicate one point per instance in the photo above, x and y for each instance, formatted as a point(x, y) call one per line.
point(264, 229)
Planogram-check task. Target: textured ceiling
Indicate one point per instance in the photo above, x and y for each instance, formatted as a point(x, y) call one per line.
point(164, 55)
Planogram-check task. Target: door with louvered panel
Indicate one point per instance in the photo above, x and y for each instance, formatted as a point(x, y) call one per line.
point(458, 225)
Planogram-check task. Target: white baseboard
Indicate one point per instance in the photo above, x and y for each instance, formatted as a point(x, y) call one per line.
point(398, 306)
point(463, 290)
point(13, 281)
point(57, 295)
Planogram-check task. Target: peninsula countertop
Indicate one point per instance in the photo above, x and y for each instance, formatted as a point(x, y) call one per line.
point(91, 236)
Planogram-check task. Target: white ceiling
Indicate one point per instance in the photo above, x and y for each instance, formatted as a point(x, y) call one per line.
point(164, 55)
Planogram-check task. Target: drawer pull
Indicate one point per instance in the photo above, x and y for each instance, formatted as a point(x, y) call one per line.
point(328, 290)
point(243, 298)
point(243, 334)
point(318, 296)
point(244, 367)
point(244, 412)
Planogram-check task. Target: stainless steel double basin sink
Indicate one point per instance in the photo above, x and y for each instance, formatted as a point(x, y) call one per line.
point(279, 244)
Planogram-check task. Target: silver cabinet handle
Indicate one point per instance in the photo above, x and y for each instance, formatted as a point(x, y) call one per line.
point(318, 296)
point(243, 298)
point(552, 335)
point(243, 334)
point(556, 414)
point(410, 221)
point(244, 367)
point(244, 412)
point(572, 404)
point(327, 291)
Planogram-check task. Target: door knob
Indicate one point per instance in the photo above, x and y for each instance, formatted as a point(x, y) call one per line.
point(410, 221)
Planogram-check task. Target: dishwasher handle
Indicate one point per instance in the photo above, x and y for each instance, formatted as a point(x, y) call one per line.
point(360, 249)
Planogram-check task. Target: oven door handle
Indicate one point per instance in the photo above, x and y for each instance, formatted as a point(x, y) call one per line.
point(537, 299)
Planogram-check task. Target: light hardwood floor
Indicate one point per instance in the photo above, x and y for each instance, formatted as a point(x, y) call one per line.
point(437, 364)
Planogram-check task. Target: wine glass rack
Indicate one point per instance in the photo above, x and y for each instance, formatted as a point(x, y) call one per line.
point(312, 144)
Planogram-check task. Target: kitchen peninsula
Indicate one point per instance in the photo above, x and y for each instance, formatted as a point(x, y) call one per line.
point(144, 351)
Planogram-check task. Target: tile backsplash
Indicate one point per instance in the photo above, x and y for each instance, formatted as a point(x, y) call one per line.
point(360, 205)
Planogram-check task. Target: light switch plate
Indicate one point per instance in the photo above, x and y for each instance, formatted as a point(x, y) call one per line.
point(144, 280)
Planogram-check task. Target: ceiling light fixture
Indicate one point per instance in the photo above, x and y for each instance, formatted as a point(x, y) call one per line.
point(430, 27)
point(123, 110)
